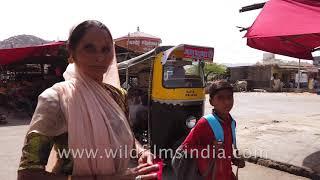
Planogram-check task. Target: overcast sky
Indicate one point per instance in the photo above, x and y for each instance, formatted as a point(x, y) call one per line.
point(199, 22)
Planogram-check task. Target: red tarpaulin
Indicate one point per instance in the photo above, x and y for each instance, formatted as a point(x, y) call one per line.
point(16, 55)
point(287, 27)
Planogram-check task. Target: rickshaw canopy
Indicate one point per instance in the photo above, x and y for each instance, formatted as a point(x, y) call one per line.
point(185, 51)
point(139, 59)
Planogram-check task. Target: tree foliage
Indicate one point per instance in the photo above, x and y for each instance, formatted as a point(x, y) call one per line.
point(215, 68)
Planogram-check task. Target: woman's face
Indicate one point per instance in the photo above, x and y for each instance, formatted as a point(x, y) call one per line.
point(94, 53)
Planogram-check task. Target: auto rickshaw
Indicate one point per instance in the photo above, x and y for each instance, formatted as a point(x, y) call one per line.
point(166, 92)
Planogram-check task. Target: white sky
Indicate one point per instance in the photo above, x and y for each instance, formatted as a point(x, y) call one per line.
point(199, 22)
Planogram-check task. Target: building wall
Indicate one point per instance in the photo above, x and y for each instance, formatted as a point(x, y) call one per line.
point(256, 76)
point(238, 73)
point(260, 76)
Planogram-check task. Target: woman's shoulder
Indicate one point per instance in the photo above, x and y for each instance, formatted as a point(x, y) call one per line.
point(52, 93)
point(112, 89)
point(48, 118)
point(120, 96)
point(49, 95)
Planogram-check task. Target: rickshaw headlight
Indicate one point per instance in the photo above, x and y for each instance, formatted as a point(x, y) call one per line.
point(191, 122)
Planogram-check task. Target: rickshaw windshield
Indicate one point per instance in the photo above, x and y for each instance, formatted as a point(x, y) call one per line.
point(182, 74)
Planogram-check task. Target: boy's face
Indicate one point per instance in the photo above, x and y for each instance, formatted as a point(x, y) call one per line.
point(223, 101)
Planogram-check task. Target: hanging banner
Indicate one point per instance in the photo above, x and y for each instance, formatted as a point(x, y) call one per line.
point(194, 52)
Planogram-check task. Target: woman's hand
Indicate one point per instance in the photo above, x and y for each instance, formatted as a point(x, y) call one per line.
point(142, 172)
point(146, 157)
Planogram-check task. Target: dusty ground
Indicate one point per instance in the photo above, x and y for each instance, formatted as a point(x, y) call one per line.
point(285, 127)
point(11, 140)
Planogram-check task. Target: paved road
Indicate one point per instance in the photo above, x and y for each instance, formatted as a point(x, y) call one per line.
point(11, 140)
point(286, 126)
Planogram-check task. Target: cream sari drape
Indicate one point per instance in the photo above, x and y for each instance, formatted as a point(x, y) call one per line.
point(93, 120)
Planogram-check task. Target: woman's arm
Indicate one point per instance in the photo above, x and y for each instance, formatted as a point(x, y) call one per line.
point(35, 154)
point(46, 124)
point(38, 174)
point(36, 151)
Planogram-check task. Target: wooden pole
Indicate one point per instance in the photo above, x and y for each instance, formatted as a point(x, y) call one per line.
point(299, 75)
point(127, 79)
point(42, 71)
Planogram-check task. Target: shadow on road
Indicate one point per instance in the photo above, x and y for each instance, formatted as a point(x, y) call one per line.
point(313, 162)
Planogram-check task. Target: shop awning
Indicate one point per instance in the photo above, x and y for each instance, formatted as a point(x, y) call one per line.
point(39, 53)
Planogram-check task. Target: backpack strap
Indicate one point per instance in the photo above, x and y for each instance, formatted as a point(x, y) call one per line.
point(217, 129)
point(215, 126)
point(234, 137)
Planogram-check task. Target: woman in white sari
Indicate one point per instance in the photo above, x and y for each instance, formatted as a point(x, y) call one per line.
point(85, 113)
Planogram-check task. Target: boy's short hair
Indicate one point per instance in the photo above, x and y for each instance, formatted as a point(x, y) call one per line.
point(219, 85)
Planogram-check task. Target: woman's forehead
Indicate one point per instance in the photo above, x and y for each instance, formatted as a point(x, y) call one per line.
point(96, 35)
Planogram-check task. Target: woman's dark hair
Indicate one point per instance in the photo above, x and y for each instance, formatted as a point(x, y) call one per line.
point(80, 30)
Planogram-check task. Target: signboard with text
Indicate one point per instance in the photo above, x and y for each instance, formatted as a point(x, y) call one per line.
point(194, 52)
point(139, 44)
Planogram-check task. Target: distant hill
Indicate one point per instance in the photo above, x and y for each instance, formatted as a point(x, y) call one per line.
point(21, 41)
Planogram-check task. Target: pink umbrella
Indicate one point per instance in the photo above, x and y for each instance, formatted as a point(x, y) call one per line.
point(287, 27)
